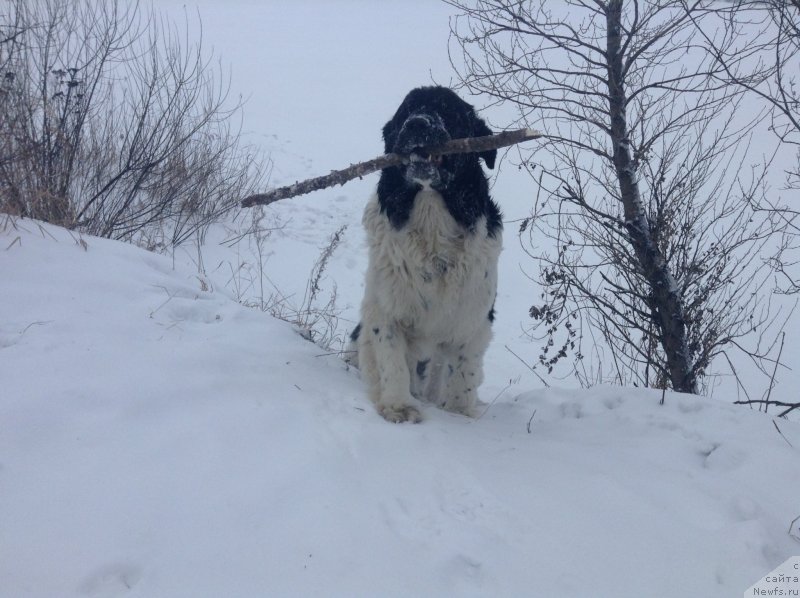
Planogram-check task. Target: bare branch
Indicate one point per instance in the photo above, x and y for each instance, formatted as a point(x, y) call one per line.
point(115, 122)
point(340, 177)
point(767, 403)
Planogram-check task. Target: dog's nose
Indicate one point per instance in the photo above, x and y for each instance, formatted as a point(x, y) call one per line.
point(420, 130)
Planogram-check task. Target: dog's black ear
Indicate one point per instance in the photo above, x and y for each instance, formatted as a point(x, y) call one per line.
point(489, 157)
point(390, 131)
point(392, 128)
point(479, 129)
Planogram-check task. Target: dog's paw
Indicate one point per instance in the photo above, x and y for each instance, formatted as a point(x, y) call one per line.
point(399, 413)
point(462, 403)
point(459, 409)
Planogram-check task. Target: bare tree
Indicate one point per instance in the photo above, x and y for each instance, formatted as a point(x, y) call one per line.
point(10, 33)
point(770, 67)
point(116, 123)
point(770, 72)
point(643, 191)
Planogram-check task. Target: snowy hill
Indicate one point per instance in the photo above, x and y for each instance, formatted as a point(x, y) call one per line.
point(159, 439)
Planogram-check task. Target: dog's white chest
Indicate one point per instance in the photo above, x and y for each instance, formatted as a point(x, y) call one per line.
point(436, 276)
point(436, 244)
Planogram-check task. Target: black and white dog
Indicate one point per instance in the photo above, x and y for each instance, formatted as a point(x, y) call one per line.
point(434, 238)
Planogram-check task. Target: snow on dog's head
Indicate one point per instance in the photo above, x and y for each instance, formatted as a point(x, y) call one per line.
point(430, 116)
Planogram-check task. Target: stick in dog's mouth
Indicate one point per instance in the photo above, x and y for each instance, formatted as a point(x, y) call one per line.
point(340, 177)
point(418, 154)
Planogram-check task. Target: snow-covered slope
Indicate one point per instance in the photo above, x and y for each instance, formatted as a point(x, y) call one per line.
point(159, 439)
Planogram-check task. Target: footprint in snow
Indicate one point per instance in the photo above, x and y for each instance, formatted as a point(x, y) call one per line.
point(464, 571)
point(693, 406)
point(116, 579)
point(7, 340)
point(722, 457)
point(612, 403)
point(745, 508)
point(193, 312)
point(571, 410)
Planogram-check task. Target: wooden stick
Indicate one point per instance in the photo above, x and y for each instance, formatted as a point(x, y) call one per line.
point(340, 177)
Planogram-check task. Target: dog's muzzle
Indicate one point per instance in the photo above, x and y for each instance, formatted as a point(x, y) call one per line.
point(420, 130)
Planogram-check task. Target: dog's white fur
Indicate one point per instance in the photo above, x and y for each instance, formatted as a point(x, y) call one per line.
point(429, 288)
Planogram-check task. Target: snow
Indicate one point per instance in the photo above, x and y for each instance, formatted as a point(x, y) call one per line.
point(158, 438)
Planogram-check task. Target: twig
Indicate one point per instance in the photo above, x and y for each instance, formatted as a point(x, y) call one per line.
point(9, 221)
point(791, 406)
point(739, 385)
point(774, 371)
point(340, 177)
point(791, 526)
point(43, 230)
point(169, 298)
point(781, 433)
point(789, 410)
point(494, 400)
point(337, 353)
point(530, 420)
point(24, 330)
point(535, 373)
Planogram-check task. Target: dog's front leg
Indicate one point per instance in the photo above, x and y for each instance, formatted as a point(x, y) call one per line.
point(382, 353)
point(465, 372)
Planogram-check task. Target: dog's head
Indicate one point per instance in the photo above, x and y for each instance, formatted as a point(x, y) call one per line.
point(430, 116)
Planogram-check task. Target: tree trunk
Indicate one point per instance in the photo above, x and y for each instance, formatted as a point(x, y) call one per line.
point(666, 305)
